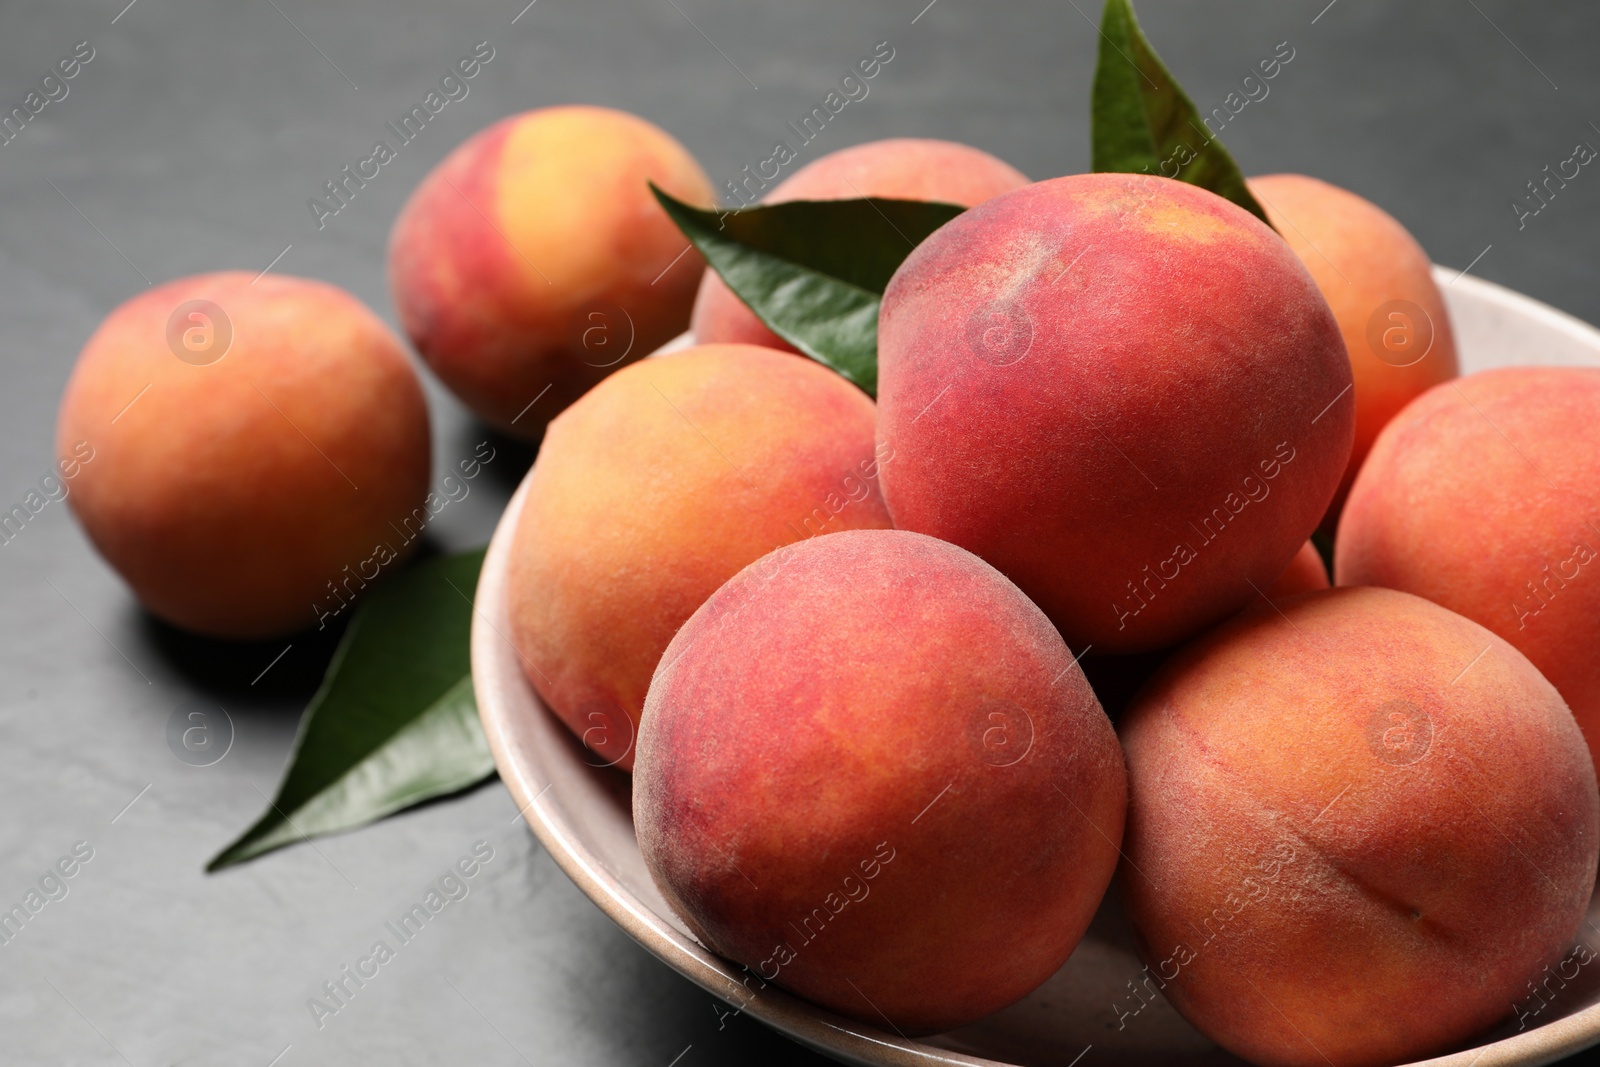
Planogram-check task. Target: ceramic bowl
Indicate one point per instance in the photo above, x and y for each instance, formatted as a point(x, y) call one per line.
point(581, 814)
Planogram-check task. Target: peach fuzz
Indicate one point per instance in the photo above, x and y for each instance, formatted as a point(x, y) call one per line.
point(653, 490)
point(1358, 826)
point(267, 471)
point(1481, 496)
point(1124, 392)
point(900, 168)
point(1376, 277)
point(870, 771)
point(1306, 573)
point(535, 258)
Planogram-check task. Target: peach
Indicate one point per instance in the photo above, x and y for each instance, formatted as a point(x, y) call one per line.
point(259, 449)
point(1481, 496)
point(533, 261)
point(1378, 281)
point(900, 168)
point(1356, 830)
point(1306, 573)
point(654, 489)
point(870, 772)
point(1124, 392)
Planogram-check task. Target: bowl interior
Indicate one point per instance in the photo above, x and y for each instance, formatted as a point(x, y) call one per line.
point(581, 813)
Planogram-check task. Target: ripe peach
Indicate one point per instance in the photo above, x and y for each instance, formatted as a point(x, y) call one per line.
point(654, 489)
point(1123, 391)
point(870, 771)
point(1364, 802)
point(900, 168)
point(1305, 574)
point(534, 258)
point(1481, 496)
point(1378, 281)
point(258, 445)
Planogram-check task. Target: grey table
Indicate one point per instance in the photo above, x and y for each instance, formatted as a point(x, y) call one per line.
point(192, 141)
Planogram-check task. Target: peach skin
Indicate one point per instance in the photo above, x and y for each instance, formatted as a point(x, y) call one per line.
point(1124, 392)
point(870, 771)
point(1359, 824)
point(534, 260)
point(654, 489)
point(1380, 285)
point(258, 443)
point(1481, 496)
point(1305, 574)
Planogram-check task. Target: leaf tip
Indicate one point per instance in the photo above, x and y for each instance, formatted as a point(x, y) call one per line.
point(228, 857)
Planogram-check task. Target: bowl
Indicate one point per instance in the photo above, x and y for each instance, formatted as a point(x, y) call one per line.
point(581, 813)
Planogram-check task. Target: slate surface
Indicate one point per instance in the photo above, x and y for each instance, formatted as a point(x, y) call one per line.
point(192, 141)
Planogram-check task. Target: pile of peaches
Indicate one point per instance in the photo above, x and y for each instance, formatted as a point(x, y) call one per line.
point(858, 654)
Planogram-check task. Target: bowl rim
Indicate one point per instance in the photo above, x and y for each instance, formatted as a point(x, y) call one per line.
point(812, 1026)
point(798, 1019)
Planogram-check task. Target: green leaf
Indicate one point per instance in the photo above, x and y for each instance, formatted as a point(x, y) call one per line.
point(814, 270)
point(394, 722)
point(1145, 123)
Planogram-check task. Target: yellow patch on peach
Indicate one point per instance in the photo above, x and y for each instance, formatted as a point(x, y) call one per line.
point(1174, 221)
point(653, 490)
point(556, 236)
point(534, 261)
